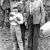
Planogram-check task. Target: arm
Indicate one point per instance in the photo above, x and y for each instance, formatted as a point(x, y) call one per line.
point(27, 8)
point(20, 16)
point(42, 13)
point(12, 17)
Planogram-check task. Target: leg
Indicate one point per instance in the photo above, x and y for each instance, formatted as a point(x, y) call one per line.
point(13, 36)
point(23, 30)
point(35, 36)
point(30, 37)
point(19, 38)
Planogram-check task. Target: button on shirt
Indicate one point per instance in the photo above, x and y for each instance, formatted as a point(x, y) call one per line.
point(32, 6)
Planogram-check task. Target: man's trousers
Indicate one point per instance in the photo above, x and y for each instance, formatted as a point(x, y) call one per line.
point(33, 34)
point(23, 30)
point(36, 30)
point(30, 32)
point(16, 33)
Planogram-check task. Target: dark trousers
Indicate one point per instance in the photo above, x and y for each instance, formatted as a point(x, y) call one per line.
point(33, 34)
point(23, 30)
point(30, 37)
point(36, 28)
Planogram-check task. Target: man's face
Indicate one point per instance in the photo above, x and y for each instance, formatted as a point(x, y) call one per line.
point(15, 10)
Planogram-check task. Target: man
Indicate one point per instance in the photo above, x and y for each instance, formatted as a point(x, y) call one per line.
point(36, 18)
point(30, 25)
point(16, 19)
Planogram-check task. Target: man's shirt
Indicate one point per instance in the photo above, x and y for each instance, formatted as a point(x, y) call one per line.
point(30, 6)
point(14, 18)
point(38, 11)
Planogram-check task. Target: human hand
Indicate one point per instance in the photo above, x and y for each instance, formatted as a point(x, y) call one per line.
point(41, 24)
point(26, 24)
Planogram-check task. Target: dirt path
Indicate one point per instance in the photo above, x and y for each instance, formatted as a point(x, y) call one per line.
point(5, 39)
point(6, 43)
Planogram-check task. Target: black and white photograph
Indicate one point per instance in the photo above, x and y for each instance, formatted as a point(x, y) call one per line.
point(24, 24)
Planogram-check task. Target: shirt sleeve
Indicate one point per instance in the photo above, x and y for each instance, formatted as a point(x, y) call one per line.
point(12, 16)
point(20, 16)
point(42, 12)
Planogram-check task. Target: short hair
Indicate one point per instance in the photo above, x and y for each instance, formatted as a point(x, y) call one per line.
point(15, 7)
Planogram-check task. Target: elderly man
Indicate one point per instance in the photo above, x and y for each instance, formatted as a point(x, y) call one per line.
point(36, 18)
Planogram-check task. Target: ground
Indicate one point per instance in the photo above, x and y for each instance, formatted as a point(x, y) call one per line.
point(5, 39)
point(6, 43)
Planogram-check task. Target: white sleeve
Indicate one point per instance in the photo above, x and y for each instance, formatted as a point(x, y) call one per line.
point(21, 18)
point(12, 16)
